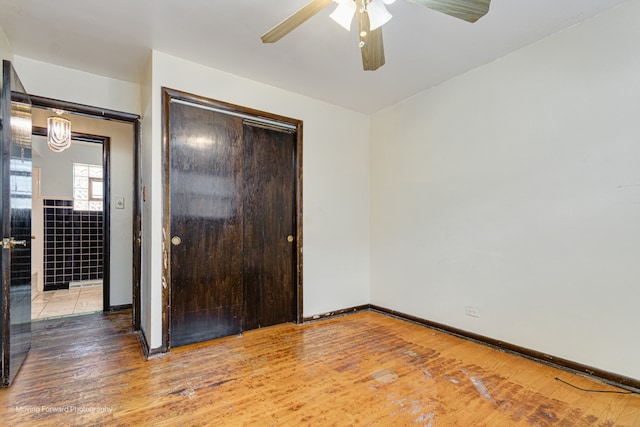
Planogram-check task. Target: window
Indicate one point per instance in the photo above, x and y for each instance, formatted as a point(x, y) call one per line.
point(87, 187)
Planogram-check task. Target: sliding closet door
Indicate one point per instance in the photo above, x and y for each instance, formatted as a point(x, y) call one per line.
point(206, 224)
point(232, 200)
point(269, 226)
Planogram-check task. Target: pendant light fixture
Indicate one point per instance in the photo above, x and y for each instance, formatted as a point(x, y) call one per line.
point(58, 132)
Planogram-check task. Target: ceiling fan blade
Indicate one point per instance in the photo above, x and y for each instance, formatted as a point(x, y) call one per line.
point(373, 47)
point(294, 21)
point(467, 10)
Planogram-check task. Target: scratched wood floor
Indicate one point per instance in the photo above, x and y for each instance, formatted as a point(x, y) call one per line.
point(361, 369)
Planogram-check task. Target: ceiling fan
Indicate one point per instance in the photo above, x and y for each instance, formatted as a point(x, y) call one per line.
point(371, 15)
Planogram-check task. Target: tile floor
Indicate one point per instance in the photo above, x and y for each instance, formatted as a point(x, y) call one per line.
point(66, 302)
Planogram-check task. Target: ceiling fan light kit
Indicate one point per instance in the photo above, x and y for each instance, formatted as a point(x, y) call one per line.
point(344, 13)
point(378, 14)
point(371, 16)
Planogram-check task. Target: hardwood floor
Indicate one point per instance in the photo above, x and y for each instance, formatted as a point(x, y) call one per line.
point(361, 369)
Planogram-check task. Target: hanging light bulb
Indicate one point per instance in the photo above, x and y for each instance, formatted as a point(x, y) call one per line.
point(344, 13)
point(378, 14)
point(58, 132)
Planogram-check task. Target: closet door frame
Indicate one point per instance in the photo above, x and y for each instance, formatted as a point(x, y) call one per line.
point(171, 95)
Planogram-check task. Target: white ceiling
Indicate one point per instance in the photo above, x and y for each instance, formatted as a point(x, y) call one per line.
point(319, 59)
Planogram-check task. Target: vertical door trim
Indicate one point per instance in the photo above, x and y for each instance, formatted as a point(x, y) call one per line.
point(297, 221)
point(169, 95)
point(137, 224)
point(106, 223)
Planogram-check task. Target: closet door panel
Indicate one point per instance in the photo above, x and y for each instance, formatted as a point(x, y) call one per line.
point(269, 227)
point(206, 224)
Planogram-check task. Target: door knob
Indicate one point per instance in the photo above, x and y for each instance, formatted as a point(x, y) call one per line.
point(289, 238)
point(10, 242)
point(176, 240)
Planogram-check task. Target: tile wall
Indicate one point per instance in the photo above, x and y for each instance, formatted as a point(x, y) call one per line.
point(72, 246)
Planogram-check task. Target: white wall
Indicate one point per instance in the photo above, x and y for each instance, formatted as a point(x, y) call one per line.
point(5, 48)
point(335, 184)
point(515, 189)
point(52, 81)
point(57, 181)
point(57, 168)
point(151, 254)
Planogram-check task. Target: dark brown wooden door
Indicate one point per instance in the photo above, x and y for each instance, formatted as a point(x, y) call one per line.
point(15, 216)
point(206, 224)
point(268, 218)
point(232, 220)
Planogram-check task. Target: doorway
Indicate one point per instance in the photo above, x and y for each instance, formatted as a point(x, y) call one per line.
point(232, 219)
point(17, 113)
point(70, 224)
point(116, 137)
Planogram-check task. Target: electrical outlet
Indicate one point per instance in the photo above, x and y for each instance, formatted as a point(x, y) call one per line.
point(472, 311)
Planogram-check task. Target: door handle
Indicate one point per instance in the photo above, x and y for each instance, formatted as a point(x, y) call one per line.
point(290, 238)
point(10, 242)
point(176, 240)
